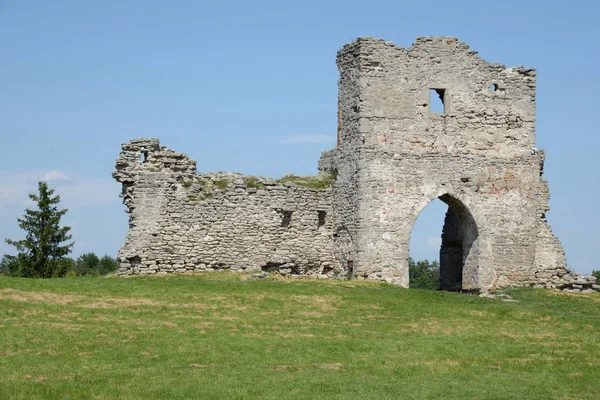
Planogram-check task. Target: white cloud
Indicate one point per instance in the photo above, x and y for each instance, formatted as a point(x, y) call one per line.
point(434, 242)
point(309, 139)
point(55, 176)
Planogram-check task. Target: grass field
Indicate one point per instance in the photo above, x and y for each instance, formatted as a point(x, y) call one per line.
point(223, 336)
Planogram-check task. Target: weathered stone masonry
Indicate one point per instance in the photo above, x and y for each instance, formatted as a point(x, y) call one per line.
point(180, 221)
point(394, 156)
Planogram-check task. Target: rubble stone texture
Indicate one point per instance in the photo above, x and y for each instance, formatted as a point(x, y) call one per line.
point(394, 156)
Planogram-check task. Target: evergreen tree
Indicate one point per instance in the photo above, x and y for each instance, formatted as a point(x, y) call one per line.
point(42, 252)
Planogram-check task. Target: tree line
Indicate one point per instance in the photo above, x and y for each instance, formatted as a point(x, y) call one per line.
point(44, 251)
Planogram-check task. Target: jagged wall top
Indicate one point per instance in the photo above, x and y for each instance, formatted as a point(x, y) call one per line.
point(385, 97)
point(147, 154)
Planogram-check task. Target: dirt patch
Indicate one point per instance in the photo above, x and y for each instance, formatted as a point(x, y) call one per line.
point(227, 317)
point(296, 335)
point(204, 325)
point(200, 366)
point(334, 367)
point(99, 304)
point(66, 299)
point(542, 335)
point(311, 314)
point(199, 306)
point(375, 317)
point(115, 302)
point(306, 299)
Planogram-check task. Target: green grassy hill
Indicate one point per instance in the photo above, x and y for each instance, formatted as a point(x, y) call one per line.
point(223, 336)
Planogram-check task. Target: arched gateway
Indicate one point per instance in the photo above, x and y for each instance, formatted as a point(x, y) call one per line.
point(459, 253)
point(395, 154)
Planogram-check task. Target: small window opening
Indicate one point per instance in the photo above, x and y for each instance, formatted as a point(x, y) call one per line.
point(143, 157)
point(287, 218)
point(436, 101)
point(322, 215)
point(494, 87)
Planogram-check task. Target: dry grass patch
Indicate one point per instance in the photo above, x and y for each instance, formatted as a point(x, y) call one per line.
point(311, 314)
point(38, 297)
point(334, 367)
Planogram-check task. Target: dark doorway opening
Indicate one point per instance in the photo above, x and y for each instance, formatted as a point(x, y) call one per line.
point(457, 265)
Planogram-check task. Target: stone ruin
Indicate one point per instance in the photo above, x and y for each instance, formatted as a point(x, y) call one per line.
point(395, 154)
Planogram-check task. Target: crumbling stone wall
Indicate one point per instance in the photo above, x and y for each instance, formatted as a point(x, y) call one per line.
point(183, 221)
point(394, 156)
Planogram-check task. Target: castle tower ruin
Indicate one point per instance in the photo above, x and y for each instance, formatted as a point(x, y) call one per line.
point(477, 155)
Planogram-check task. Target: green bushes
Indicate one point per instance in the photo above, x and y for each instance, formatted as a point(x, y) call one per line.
point(424, 274)
point(89, 264)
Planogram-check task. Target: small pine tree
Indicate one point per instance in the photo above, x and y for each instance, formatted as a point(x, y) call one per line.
point(41, 254)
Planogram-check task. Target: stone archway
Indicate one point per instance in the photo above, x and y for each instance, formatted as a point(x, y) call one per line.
point(459, 252)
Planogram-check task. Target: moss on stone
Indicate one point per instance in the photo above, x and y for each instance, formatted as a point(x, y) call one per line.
point(321, 181)
point(201, 182)
point(253, 182)
point(222, 183)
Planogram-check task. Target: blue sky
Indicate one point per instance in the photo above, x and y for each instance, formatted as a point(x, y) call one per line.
point(252, 87)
